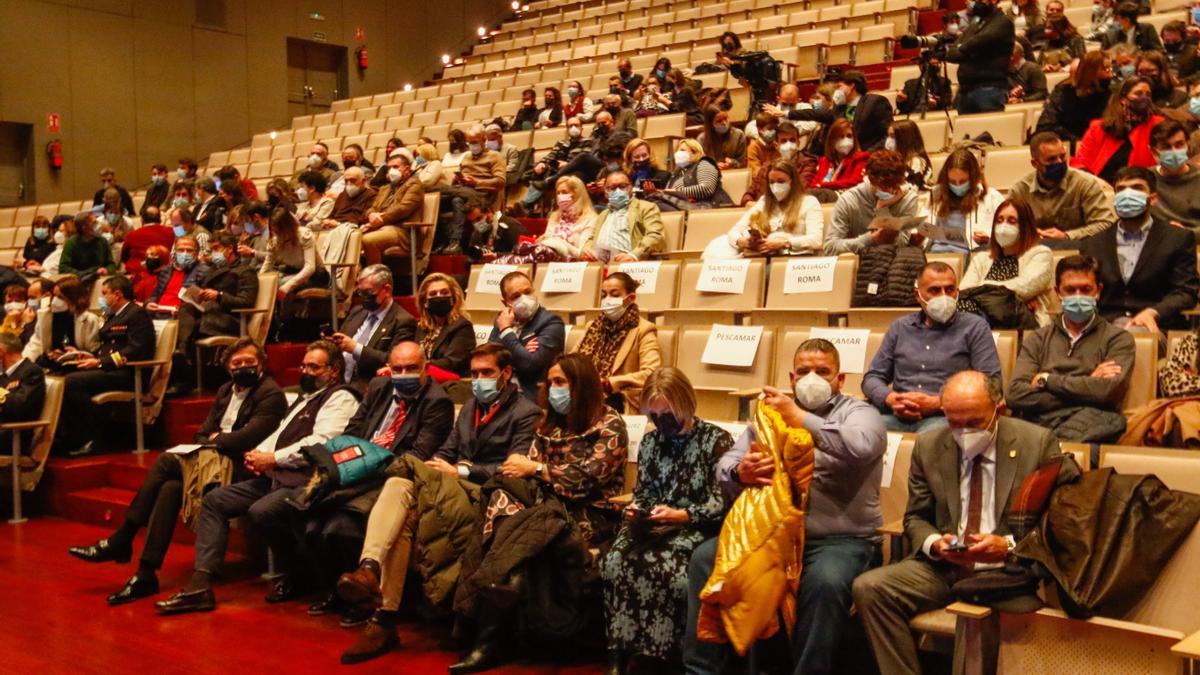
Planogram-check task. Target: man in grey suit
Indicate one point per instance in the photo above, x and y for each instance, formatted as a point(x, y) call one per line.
point(960, 487)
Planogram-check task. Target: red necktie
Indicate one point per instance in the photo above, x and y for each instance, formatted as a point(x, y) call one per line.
point(386, 437)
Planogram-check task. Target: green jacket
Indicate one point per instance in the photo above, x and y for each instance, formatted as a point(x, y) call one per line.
point(82, 256)
point(645, 229)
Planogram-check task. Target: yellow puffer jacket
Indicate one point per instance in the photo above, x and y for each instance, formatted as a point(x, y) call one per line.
point(761, 547)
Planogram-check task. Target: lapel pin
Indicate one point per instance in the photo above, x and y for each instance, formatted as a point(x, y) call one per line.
point(1012, 454)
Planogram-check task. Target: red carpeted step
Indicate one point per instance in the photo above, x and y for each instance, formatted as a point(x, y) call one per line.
point(283, 362)
point(104, 505)
point(126, 476)
point(454, 265)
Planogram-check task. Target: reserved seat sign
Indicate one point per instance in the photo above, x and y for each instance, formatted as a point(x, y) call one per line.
point(643, 272)
point(809, 275)
point(732, 345)
point(851, 344)
point(723, 276)
point(564, 277)
point(489, 278)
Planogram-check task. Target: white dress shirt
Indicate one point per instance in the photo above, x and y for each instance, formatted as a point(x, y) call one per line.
point(231, 411)
point(331, 421)
point(987, 514)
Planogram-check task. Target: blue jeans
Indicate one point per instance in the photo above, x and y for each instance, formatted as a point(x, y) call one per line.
point(823, 605)
point(981, 100)
point(894, 423)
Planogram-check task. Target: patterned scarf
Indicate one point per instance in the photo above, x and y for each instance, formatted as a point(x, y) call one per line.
point(430, 340)
point(604, 338)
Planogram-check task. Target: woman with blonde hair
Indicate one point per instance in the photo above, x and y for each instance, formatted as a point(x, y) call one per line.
point(784, 221)
point(641, 165)
point(695, 183)
point(677, 504)
point(567, 230)
point(429, 168)
point(444, 331)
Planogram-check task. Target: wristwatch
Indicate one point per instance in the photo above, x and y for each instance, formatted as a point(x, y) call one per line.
point(540, 469)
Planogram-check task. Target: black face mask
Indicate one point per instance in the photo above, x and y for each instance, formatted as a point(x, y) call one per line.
point(309, 383)
point(1173, 47)
point(614, 90)
point(666, 423)
point(439, 307)
point(613, 111)
point(245, 377)
point(370, 301)
point(152, 264)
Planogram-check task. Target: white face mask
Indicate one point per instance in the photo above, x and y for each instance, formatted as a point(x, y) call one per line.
point(58, 305)
point(314, 160)
point(781, 190)
point(839, 97)
point(941, 309)
point(1006, 234)
point(352, 190)
point(812, 391)
point(786, 150)
point(525, 307)
point(890, 144)
point(10, 307)
point(60, 238)
point(974, 442)
point(613, 308)
point(844, 146)
point(683, 158)
point(574, 131)
point(394, 175)
point(302, 194)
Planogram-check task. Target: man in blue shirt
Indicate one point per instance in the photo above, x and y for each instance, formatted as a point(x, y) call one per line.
point(921, 350)
point(842, 513)
point(531, 333)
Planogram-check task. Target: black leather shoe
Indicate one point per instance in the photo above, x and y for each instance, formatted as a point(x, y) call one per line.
point(327, 605)
point(136, 588)
point(483, 657)
point(183, 602)
point(284, 591)
point(101, 551)
point(616, 663)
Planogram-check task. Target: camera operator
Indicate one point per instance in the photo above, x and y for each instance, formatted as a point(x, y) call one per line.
point(983, 51)
point(871, 114)
point(929, 91)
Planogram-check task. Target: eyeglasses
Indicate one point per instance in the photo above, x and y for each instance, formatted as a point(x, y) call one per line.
point(312, 368)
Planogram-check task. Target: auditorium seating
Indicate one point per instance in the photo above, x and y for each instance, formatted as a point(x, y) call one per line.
point(147, 400)
point(26, 466)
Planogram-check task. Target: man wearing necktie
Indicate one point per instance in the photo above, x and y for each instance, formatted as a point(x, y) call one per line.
point(961, 484)
point(372, 327)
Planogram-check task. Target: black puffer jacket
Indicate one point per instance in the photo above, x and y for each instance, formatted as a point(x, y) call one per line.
point(886, 274)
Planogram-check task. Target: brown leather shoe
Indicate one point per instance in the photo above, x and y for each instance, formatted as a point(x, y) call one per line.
point(378, 638)
point(360, 587)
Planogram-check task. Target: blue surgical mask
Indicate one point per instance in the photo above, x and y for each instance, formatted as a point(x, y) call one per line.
point(41, 233)
point(572, 92)
point(216, 183)
point(1194, 105)
point(1130, 203)
point(179, 231)
point(179, 202)
point(1079, 308)
point(486, 389)
point(250, 227)
point(184, 259)
point(618, 199)
point(960, 189)
point(105, 308)
point(1196, 16)
point(406, 385)
point(1055, 172)
point(218, 257)
point(1172, 159)
point(158, 179)
point(1127, 70)
point(884, 195)
point(418, 161)
point(560, 399)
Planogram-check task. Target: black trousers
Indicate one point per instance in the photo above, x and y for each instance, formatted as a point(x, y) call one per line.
point(156, 507)
point(79, 388)
point(334, 542)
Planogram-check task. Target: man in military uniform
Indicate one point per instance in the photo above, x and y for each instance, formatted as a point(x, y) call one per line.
point(127, 335)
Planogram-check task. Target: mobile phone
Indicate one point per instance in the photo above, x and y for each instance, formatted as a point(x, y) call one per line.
point(956, 547)
point(326, 330)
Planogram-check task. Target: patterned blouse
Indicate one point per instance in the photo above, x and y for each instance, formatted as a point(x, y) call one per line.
point(587, 467)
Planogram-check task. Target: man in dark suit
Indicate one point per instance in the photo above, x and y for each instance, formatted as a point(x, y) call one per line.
point(373, 326)
point(231, 283)
point(127, 335)
point(1142, 36)
point(407, 412)
point(24, 387)
point(960, 490)
point(493, 424)
point(533, 335)
point(871, 114)
point(108, 179)
point(245, 411)
point(209, 211)
point(1147, 267)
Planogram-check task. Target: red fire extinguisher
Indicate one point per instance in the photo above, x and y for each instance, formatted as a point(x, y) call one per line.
point(54, 153)
point(362, 58)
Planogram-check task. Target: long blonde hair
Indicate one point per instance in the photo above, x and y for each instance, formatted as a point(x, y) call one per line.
point(456, 293)
point(583, 201)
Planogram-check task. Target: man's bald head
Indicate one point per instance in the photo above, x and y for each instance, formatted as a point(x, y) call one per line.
point(406, 357)
point(789, 94)
point(354, 173)
point(970, 399)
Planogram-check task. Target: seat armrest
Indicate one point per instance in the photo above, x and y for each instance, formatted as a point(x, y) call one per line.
point(969, 611)
point(339, 265)
point(147, 364)
point(21, 426)
point(1189, 647)
point(746, 393)
point(892, 529)
point(250, 310)
point(620, 500)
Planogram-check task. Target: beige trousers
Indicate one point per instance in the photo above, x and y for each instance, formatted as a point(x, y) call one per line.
point(389, 540)
point(376, 242)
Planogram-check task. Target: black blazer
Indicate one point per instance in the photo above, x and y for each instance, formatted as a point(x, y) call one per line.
point(26, 395)
point(1165, 276)
point(452, 349)
point(260, 413)
point(425, 427)
point(530, 366)
point(126, 336)
point(396, 326)
point(872, 117)
point(211, 214)
point(126, 199)
point(510, 431)
point(238, 288)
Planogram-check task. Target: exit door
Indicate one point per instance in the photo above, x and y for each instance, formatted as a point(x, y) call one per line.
point(316, 76)
point(16, 164)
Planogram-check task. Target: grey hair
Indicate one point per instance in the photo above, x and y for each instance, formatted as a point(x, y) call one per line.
point(475, 130)
point(493, 129)
point(11, 343)
point(991, 384)
point(380, 273)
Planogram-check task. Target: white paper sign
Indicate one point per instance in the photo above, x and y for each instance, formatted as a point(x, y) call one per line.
point(635, 428)
point(735, 429)
point(489, 278)
point(185, 449)
point(732, 345)
point(851, 344)
point(564, 277)
point(723, 276)
point(809, 275)
point(889, 457)
point(645, 273)
point(482, 332)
